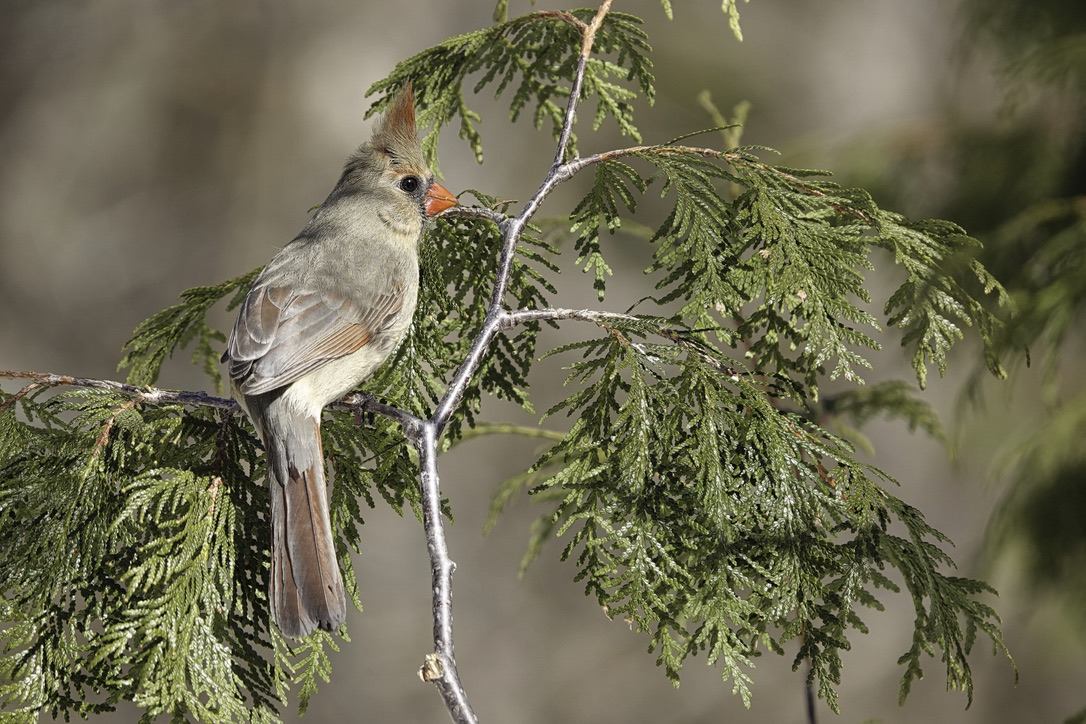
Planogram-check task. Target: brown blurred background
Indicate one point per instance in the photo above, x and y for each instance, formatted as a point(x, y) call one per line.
point(153, 146)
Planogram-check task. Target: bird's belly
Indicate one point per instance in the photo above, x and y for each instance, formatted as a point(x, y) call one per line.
point(309, 394)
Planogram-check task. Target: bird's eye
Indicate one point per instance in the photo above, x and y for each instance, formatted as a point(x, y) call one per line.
point(409, 184)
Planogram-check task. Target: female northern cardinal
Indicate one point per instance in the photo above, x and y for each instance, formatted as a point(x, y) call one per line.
point(323, 315)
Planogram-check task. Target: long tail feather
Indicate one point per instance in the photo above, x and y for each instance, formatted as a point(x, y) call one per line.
point(306, 589)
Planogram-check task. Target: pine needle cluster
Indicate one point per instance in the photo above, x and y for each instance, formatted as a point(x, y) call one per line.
point(696, 487)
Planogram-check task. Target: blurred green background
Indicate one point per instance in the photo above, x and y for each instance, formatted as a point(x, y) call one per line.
point(153, 146)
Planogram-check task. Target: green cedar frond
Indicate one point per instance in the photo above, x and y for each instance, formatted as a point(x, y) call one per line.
point(158, 337)
point(934, 304)
point(138, 557)
point(941, 603)
point(701, 514)
point(785, 262)
point(599, 210)
point(535, 57)
point(131, 575)
point(314, 664)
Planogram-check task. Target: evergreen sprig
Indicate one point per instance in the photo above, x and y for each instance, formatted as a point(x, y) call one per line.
point(185, 323)
point(700, 513)
point(600, 210)
point(129, 563)
point(784, 261)
point(934, 302)
point(535, 56)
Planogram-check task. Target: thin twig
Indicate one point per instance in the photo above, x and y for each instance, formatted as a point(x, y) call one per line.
point(511, 231)
point(19, 395)
point(107, 428)
point(359, 402)
point(680, 338)
point(520, 316)
point(562, 15)
point(732, 157)
point(472, 212)
point(139, 394)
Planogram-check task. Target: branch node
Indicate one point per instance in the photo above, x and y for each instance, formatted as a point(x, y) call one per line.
point(432, 669)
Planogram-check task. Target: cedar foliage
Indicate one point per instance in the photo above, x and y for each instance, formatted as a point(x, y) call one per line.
point(697, 491)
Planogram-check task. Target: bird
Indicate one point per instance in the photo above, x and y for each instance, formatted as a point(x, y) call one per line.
point(328, 309)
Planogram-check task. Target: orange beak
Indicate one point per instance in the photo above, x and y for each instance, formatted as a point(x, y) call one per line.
point(438, 199)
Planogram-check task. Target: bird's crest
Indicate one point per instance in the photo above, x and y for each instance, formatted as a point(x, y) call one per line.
point(395, 134)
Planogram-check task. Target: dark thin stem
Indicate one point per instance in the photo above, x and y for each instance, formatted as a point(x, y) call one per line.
point(812, 716)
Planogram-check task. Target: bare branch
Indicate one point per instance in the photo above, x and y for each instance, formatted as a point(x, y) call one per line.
point(356, 402)
point(440, 667)
point(588, 37)
point(679, 337)
point(445, 676)
point(144, 395)
point(512, 229)
point(558, 15)
point(359, 402)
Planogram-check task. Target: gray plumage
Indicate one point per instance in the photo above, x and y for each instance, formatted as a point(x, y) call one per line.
point(326, 311)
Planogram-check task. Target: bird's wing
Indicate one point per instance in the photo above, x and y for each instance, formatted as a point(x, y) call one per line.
point(282, 334)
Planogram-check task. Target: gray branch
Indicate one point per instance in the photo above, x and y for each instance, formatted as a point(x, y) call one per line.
point(138, 393)
point(439, 667)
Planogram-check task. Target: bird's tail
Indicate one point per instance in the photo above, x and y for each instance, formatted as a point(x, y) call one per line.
point(306, 589)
